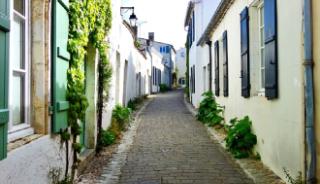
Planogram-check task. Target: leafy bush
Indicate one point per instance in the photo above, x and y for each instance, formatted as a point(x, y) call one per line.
point(210, 111)
point(107, 138)
point(164, 88)
point(131, 105)
point(122, 115)
point(240, 139)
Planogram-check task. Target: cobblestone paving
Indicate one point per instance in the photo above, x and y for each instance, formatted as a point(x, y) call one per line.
point(170, 146)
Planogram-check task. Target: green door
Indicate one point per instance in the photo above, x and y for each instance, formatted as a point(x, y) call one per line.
point(60, 64)
point(4, 52)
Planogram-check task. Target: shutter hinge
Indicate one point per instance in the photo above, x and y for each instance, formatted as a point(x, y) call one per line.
point(51, 110)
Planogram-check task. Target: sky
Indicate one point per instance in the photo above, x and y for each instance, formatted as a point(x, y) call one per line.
point(163, 17)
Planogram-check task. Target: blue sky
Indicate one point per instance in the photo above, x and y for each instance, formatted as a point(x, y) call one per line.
point(164, 17)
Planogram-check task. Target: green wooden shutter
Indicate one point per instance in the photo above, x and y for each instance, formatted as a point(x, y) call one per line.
point(245, 60)
point(4, 56)
point(60, 64)
point(270, 29)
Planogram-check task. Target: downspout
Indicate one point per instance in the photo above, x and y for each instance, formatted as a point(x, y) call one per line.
point(209, 43)
point(309, 95)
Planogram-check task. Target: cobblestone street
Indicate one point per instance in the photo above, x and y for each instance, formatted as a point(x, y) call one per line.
point(170, 146)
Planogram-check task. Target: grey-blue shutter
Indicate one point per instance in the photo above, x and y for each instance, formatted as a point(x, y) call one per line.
point(193, 27)
point(271, 59)
point(245, 59)
point(191, 80)
point(225, 65)
point(194, 79)
point(216, 68)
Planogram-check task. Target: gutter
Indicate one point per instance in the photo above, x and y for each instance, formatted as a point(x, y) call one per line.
point(310, 157)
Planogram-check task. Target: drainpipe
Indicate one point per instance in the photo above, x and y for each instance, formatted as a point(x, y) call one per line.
point(309, 95)
point(209, 43)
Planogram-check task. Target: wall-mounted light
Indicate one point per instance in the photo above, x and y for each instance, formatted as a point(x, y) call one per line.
point(133, 18)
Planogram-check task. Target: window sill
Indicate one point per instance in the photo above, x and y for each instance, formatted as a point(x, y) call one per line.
point(23, 131)
point(22, 141)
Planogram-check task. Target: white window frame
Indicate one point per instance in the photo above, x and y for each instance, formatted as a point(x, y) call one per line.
point(24, 129)
point(260, 6)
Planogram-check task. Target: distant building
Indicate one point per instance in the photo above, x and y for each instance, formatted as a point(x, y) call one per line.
point(167, 52)
point(180, 67)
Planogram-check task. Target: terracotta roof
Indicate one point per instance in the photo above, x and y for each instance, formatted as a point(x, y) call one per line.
point(215, 21)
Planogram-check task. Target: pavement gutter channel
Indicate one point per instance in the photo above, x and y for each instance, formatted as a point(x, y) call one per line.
point(112, 171)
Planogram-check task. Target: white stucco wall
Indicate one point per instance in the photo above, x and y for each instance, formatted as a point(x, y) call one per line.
point(180, 63)
point(278, 124)
point(121, 43)
point(157, 63)
point(31, 163)
point(199, 56)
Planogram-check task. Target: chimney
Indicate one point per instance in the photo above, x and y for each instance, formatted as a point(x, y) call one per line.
point(151, 36)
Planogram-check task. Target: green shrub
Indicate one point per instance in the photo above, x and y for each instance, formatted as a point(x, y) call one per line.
point(210, 112)
point(122, 115)
point(108, 137)
point(138, 100)
point(186, 91)
point(164, 88)
point(240, 139)
point(131, 105)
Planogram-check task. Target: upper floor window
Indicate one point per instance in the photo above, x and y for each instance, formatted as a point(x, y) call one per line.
point(167, 49)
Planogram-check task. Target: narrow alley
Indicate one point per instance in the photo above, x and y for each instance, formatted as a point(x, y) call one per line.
point(159, 91)
point(170, 146)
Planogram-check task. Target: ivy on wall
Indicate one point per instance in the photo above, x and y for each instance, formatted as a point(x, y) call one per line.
point(89, 22)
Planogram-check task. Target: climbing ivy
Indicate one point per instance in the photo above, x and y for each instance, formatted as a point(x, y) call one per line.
point(89, 22)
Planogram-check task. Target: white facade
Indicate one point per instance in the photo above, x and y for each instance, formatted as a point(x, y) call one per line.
point(131, 67)
point(279, 123)
point(198, 18)
point(180, 67)
point(156, 64)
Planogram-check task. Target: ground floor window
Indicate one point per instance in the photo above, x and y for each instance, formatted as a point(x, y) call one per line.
point(19, 79)
point(182, 81)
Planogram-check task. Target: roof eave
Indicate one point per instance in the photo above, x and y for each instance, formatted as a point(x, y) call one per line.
point(215, 21)
point(188, 14)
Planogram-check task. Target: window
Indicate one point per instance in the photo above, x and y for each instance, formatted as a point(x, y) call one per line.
point(167, 49)
point(19, 67)
point(261, 45)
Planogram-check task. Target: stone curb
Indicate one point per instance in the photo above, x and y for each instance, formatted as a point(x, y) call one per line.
point(254, 169)
point(111, 173)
